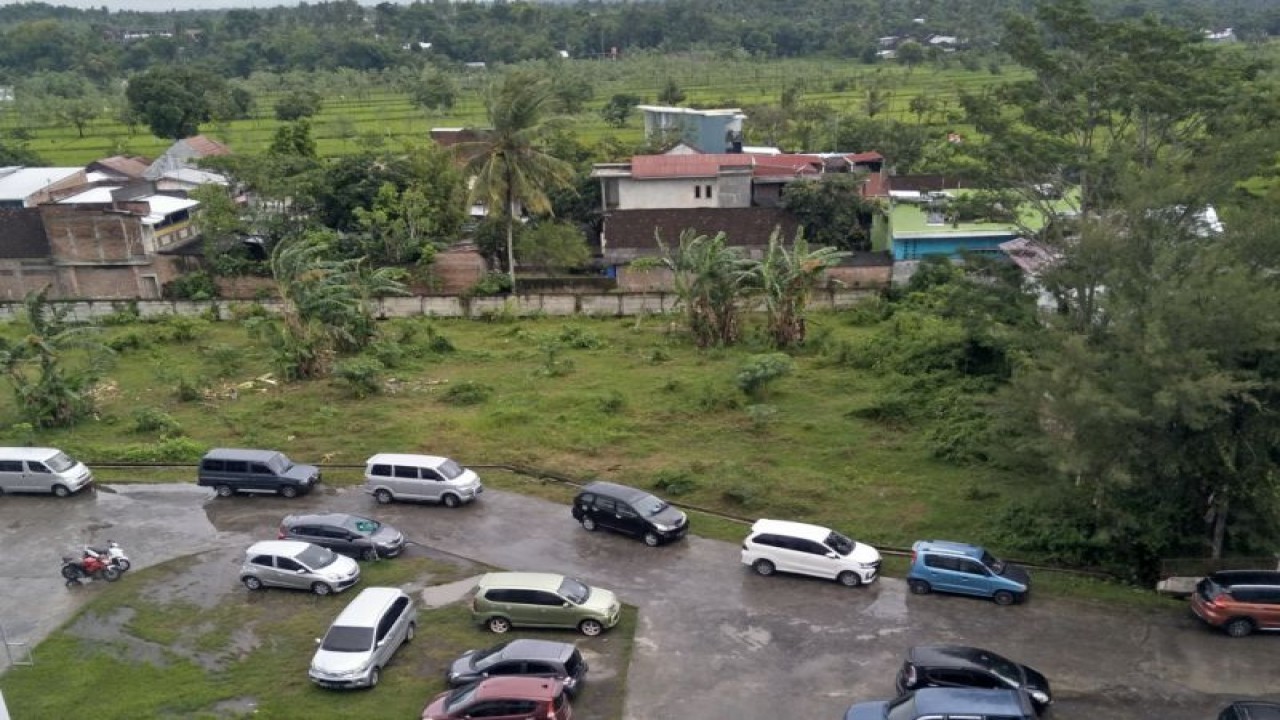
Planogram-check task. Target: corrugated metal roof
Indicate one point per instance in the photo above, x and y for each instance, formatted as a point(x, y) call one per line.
point(645, 167)
point(92, 196)
point(25, 182)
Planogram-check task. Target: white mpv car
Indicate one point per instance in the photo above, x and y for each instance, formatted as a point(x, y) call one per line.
point(804, 549)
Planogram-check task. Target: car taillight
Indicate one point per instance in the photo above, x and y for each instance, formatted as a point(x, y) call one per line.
point(280, 533)
point(913, 557)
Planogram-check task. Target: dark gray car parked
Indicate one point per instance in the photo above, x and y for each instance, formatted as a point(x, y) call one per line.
point(536, 658)
point(353, 535)
point(629, 511)
point(234, 470)
point(959, 666)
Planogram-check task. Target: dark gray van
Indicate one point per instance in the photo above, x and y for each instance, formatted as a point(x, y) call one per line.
point(234, 470)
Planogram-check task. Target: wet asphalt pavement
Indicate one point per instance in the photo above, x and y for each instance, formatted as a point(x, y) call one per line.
point(715, 642)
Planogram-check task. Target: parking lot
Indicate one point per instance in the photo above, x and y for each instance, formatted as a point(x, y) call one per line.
point(714, 641)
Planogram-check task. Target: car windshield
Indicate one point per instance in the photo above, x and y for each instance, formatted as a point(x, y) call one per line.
point(348, 639)
point(650, 505)
point(316, 557)
point(450, 469)
point(460, 698)
point(1000, 667)
point(903, 708)
point(991, 561)
point(485, 658)
point(362, 525)
point(279, 462)
point(60, 463)
point(574, 591)
point(839, 543)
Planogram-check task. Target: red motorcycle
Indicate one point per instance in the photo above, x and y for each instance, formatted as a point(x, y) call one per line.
point(92, 565)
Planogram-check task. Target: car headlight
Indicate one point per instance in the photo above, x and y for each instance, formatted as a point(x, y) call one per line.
point(1040, 696)
point(663, 528)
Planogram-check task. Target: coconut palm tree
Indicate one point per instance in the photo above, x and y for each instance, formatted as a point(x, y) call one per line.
point(507, 165)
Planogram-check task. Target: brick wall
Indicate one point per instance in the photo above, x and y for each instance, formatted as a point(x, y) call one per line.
point(19, 277)
point(79, 234)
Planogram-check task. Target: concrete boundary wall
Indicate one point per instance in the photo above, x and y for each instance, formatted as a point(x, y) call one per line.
point(613, 304)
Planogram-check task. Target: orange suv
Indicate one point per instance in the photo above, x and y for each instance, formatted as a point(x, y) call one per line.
point(1239, 601)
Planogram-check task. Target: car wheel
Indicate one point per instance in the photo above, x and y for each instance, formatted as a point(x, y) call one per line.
point(919, 587)
point(252, 583)
point(289, 491)
point(651, 539)
point(374, 676)
point(383, 497)
point(320, 588)
point(590, 628)
point(61, 490)
point(763, 567)
point(1239, 627)
point(369, 554)
point(588, 523)
point(848, 578)
point(409, 632)
point(224, 491)
point(1004, 597)
point(451, 501)
point(498, 625)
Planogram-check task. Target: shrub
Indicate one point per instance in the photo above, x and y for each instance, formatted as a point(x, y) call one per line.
point(612, 402)
point(762, 416)
point(227, 360)
point(184, 328)
point(657, 356)
point(675, 482)
point(712, 397)
point(579, 339)
point(361, 376)
point(390, 353)
point(438, 343)
point(552, 364)
point(870, 311)
point(130, 340)
point(761, 370)
point(151, 420)
point(494, 283)
point(122, 313)
point(245, 311)
point(741, 493)
point(187, 390)
point(467, 392)
point(197, 285)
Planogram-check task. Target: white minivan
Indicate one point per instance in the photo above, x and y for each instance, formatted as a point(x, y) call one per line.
point(390, 476)
point(41, 470)
point(804, 549)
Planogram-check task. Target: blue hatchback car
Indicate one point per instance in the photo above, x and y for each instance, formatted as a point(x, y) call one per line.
point(967, 703)
point(966, 570)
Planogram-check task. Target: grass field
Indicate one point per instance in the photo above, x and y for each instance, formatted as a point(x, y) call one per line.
point(353, 118)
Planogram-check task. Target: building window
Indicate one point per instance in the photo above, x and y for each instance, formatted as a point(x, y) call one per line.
point(708, 192)
point(697, 191)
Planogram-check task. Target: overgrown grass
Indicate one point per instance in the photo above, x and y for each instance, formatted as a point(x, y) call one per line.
point(247, 655)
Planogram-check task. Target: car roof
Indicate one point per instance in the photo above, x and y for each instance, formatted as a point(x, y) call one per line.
point(969, 701)
point(522, 580)
point(1231, 578)
point(817, 533)
point(28, 453)
point(526, 649)
point(1256, 710)
point(365, 610)
point(515, 686)
point(950, 656)
point(407, 459)
point(240, 454)
point(287, 548)
point(333, 518)
point(622, 492)
point(948, 546)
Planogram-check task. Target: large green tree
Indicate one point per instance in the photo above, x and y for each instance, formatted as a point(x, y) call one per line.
point(174, 100)
point(510, 168)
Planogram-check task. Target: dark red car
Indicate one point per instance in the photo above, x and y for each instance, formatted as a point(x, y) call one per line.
point(503, 698)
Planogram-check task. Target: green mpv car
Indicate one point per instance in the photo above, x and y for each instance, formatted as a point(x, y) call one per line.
point(515, 599)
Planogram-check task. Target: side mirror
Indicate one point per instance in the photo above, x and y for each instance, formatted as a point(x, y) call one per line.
point(832, 555)
point(318, 641)
point(299, 571)
point(567, 604)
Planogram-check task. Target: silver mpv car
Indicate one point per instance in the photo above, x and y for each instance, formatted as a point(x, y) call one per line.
point(300, 565)
point(363, 639)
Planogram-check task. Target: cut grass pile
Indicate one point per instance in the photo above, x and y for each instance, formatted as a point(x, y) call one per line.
point(138, 650)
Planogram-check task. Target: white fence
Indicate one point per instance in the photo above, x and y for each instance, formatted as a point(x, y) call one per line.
point(448, 306)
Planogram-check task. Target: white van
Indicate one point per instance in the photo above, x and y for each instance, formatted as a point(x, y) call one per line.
point(41, 470)
point(804, 549)
point(389, 476)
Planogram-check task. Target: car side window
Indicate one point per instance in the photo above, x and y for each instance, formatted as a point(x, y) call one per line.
point(624, 510)
point(37, 467)
point(492, 708)
point(941, 562)
point(380, 470)
point(389, 619)
point(523, 597)
point(767, 540)
point(787, 542)
point(541, 597)
point(10, 466)
point(521, 707)
point(1270, 596)
point(432, 475)
point(604, 504)
point(288, 564)
point(405, 471)
point(237, 466)
point(263, 560)
point(540, 668)
point(513, 667)
point(971, 567)
point(260, 469)
point(214, 465)
point(811, 547)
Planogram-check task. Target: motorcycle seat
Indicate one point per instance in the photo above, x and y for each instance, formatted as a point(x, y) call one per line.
point(69, 559)
point(97, 550)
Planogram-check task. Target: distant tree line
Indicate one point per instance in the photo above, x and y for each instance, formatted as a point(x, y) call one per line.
point(36, 37)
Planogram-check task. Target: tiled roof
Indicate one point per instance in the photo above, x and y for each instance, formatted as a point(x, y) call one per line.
point(204, 147)
point(128, 165)
point(22, 234)
point(700, 165)
point(630, 233)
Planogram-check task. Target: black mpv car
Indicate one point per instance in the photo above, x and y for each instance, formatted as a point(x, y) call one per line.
point(629, 511)
point(959, 666)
